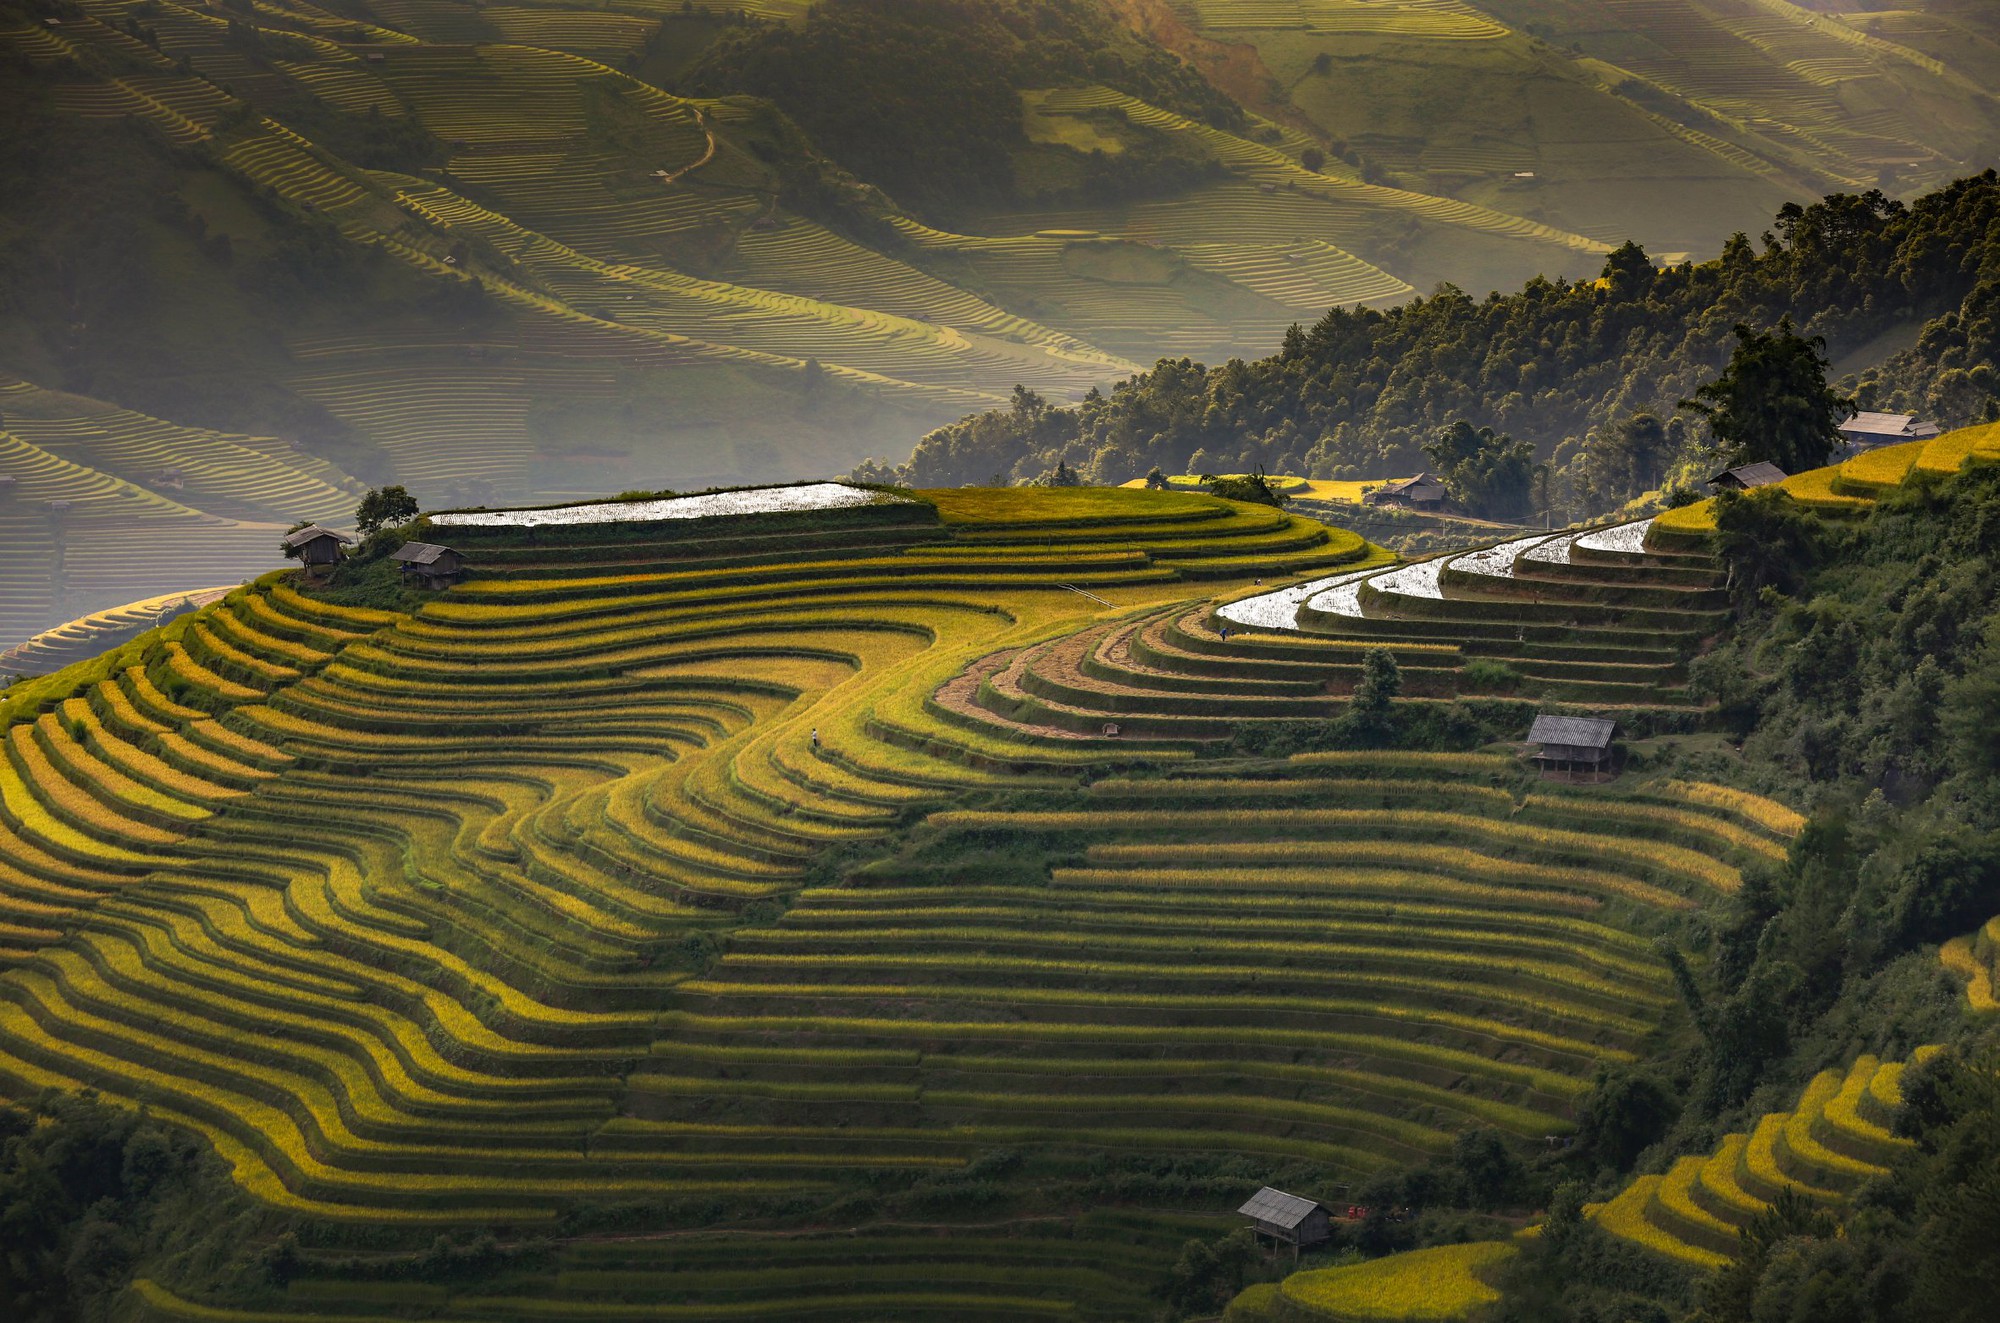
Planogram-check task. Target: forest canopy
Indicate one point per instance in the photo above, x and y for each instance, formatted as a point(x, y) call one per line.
point(1590, 374)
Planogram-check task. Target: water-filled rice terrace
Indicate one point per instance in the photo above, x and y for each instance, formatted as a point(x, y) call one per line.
point(747, 880)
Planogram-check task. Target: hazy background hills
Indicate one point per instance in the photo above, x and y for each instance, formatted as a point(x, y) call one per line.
point(256, 257)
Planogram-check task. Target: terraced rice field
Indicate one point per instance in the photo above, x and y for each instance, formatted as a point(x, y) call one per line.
point(1589, 617)
point(1852, 485)
point(521, 902)
point(1434, 1285)
point(97, 633)
point(79, 540)
point(1848, 488)
point(1834, 1140)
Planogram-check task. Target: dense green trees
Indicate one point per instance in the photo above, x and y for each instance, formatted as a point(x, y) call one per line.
point(1486, 474)
point(1583, 372)
point(1254, 487)
point(384, 507)
point(89, 1193)
point(1772, 401)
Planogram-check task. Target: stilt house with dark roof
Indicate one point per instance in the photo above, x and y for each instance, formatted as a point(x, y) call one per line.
point(1422, 492)
point(1869, 431)
point(428, 563)
point(1287, 1219)
point(313, 546)
point(1745, 476)
point(1573, 746)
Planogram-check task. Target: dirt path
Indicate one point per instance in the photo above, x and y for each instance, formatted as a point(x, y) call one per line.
point(672, 176)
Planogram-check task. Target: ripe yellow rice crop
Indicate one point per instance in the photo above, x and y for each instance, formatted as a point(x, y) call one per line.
point(1451, 860)
point(1625, 1216)
point(197, 676)
point(1447, 1282)
point(1491, 1030)
point(1332, 790)
point(1766, 813)
point(1390, 760)
point(1717, 1186)
point(47, 803)
point(1306, 889)
point(1473, 970)
point(1960, 957)
point(1671, 858)
point(1369, 1047)
point(1641, 815)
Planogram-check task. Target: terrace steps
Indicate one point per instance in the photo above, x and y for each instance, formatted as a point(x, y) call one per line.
point(480, 872)
point(1836, 1138)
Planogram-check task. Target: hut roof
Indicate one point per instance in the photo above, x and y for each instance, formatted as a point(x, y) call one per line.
point(1421, 482)
point(1889, 426)
point(420, 553)
point(1577, 732)
point(1278, 1208)
point(1761, 474)
point(312, 533)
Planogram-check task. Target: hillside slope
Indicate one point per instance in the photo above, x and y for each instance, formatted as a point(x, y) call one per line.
point(1675, 122)
point(460, 254)
point(671, 875)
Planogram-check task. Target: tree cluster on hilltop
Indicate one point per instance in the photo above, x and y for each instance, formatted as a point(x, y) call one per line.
point(922, 97)
point(1589, 373)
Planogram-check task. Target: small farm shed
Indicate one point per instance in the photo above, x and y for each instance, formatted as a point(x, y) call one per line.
point(1418, 492)
point(1287, 1219)
point(1745, 476)
point(1867, 431)
point(1572, 745)
point(430, 563)
point(313, 545)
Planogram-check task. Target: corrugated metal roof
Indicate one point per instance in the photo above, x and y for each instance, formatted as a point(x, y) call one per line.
point(1879, 424)
point(1578, 732)
point(420, 553)
point(1278, 1208)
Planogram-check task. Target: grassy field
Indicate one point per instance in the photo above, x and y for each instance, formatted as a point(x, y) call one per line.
point(674, 869)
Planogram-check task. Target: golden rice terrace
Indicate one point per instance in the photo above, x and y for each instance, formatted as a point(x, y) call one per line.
point(738, 901)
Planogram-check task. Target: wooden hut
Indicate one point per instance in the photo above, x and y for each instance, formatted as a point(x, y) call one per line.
point(1573, 747)
point(430, 564)
point(1422, 492)
point(1287, 1219)
point(1745, 476)
point(314, 546)
point(1868, 430)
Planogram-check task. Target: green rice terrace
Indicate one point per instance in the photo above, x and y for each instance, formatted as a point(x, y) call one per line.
point(868, 912)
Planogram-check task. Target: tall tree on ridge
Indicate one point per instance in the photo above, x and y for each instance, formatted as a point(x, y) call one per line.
point(1772, 401)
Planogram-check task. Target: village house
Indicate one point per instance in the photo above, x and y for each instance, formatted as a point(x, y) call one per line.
point(314, 546)
point(1576, 748)
point(1745, 476)
point(1287, 1219)
point(430, 564)
point(1422, 492)
point(1870, 431)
